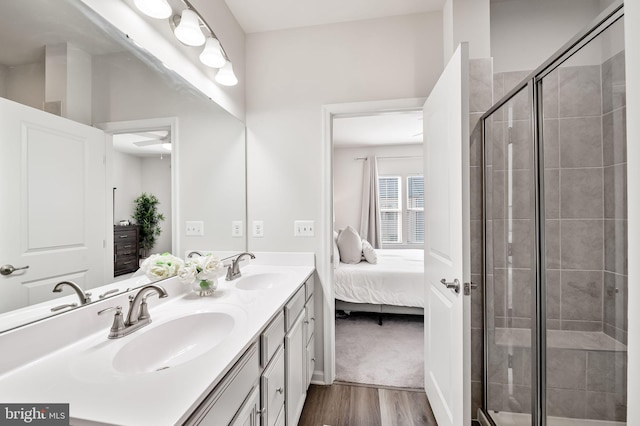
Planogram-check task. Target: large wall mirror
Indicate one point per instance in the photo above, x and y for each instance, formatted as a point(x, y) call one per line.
point(68, 78)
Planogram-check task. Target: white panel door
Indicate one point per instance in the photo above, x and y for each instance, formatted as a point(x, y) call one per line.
point(53, 212)
point(447, 312)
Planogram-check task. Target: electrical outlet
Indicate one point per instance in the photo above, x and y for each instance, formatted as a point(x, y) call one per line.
point(236, 228)
point(304, 228)
point(195, 227)
point(258, 228)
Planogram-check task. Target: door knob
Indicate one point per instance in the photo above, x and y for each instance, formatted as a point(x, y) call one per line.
point(9, 269)
point(455, 285)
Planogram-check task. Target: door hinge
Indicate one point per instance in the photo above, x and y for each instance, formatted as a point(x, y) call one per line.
point(467, 288)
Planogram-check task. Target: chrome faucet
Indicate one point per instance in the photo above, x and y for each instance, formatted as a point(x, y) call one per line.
point(233, 271)
point(191, 253)
point(138, 315)
point(84, 297)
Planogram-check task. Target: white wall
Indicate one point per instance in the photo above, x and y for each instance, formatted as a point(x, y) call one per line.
point(127, 179)
point(291, 74)
point(156, 180)
point(632, 56)
point(525, 33)
point(348, 174)
point(210, 148)
point(25, 84)
point(466, 20)
point(3, 81)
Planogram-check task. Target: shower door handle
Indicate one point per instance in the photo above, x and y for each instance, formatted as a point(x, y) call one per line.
point(455, 285)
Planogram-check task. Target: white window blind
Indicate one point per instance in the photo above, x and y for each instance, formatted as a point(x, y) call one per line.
point(390, 209)
point(415, 209)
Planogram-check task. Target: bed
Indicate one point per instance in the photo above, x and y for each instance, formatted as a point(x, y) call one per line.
point(394, 285)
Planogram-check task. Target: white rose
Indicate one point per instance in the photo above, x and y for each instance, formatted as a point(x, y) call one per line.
point(158, 271)
point(187, 273)
point(174, 264)
point(211, 267)
point(148, 263)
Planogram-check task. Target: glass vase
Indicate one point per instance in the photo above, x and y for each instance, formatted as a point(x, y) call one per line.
point(205, 287)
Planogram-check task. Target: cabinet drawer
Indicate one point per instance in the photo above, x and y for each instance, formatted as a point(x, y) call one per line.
point(272, 382)
point(125, 235)
point(221, 406)
point(124, 265)
point(125, 248)
point(309, 319)
point(294, 307)
point(308, 285)
point(271, 338)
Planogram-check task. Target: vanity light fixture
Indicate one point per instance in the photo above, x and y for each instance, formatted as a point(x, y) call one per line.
point(212, 55)
point(188, 30)
point(158, 9)
point(226, 76)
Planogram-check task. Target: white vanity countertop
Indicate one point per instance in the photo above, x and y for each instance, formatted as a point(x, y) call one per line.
point(83, 375)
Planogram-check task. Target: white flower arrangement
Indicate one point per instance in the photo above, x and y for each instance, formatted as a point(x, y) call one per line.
point(201, 268)
point(160, 266)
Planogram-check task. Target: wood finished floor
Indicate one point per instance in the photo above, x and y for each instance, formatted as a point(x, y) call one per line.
point(347, 405)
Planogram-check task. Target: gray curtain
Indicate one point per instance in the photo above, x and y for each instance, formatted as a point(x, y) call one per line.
point(370, 216)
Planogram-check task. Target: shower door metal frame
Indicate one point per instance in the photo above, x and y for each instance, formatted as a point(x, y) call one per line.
point(533, 83)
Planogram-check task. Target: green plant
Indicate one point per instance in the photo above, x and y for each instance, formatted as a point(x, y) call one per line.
point(147, 217)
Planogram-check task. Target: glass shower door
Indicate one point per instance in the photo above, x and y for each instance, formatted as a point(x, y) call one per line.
point(509, 265)
point(585, 276)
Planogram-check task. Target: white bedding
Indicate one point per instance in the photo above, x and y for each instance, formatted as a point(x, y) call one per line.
point(397, 279)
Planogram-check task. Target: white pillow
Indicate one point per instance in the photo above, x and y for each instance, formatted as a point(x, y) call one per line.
point(369, 252)
point(350, 246)
point(336, 251)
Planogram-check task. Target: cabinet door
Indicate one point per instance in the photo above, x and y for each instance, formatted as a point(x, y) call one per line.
point(248, 414)
point(309, 320)
point(296, 390)
point(273, 385)
point(311, 361)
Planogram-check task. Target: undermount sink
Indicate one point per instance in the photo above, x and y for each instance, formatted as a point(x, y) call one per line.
point(260, 281)
point(173, 342)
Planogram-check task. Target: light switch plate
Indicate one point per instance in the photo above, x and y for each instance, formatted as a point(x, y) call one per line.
point(304, 228)
point(258, 228)
point(195, 227)
point(236, 228)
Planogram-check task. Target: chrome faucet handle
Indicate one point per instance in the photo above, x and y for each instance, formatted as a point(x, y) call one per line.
point(144, 308)
point(118, 322)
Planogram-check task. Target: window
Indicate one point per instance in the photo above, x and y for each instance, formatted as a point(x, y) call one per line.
point(393, 217)
point(415, 209)
point(390, 209)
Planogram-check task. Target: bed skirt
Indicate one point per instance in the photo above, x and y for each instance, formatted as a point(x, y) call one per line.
point(379, 309)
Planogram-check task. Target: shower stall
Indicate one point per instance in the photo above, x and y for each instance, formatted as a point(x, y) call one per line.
point(555, 238)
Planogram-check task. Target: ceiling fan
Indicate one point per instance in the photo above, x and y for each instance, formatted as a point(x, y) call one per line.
point(159, 137)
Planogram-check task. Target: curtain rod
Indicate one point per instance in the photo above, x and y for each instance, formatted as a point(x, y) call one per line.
point(400, 157)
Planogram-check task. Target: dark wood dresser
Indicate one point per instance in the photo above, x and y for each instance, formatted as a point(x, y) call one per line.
point(125, 249)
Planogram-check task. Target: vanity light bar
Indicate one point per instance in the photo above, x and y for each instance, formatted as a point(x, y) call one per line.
point(187, 29)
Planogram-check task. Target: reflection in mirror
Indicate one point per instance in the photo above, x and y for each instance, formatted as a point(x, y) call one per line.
point(59, 170)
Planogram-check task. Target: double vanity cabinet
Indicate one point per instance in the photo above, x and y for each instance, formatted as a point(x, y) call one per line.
point(268, 385)
point(242, 356)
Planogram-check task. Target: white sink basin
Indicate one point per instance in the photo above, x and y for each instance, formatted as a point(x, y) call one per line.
point(173, 342)
point(261, 281)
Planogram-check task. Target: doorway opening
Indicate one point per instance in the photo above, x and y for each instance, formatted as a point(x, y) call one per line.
point(141, 160)
point(378, 198)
